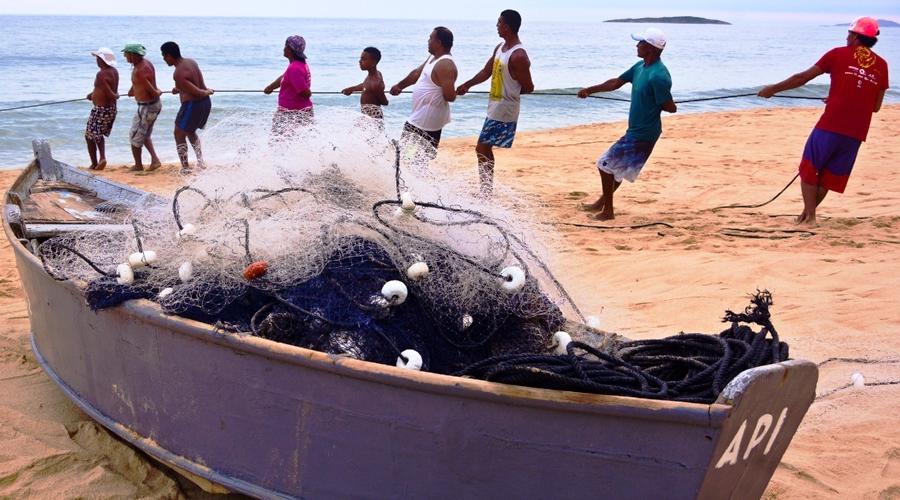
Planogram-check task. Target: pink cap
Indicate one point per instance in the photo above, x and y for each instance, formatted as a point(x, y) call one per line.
point(865, 26)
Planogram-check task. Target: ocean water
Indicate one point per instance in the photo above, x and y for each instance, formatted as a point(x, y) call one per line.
point(45, 59)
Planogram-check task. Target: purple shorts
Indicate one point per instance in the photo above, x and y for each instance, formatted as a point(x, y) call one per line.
point(828, 159)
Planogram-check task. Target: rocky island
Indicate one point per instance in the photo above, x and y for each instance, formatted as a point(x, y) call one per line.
point(668, 20)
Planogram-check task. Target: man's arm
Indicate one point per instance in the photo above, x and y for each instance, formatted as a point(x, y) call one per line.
point(480, 77)
point(272, 86)
point(354, 88)
point(409, 80)
point(183, 85)
point(520, 69)
point(149, 77)
point(878, 100)
point(444, 76)
point(792, 82)
point(669, 106)
point(107, 85)
point(378, 89)
point(607, 86)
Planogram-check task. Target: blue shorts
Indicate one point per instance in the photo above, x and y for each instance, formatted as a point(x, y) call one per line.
point(193, 114)
point(828, 159)
point(500, 134)
point(625, 158)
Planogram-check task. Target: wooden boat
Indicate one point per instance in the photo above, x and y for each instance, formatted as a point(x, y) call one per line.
point(273, 420)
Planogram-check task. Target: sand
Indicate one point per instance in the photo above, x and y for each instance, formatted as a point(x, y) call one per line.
point(835, 288)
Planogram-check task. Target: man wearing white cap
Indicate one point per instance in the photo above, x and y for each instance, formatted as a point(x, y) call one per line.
point(103, 114)
point(859, 78)
point(651, 94)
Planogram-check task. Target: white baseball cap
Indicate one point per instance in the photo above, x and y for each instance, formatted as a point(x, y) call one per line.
point(653, 36)
point(108, 56)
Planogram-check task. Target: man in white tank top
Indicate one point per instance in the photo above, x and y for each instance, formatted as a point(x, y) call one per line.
point(510, 72)
point(432, 94)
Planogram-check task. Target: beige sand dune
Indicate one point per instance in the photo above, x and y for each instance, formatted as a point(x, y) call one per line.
point(835, 288)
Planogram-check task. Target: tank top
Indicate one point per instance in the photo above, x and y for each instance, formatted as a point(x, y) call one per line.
point(430, 112)
point(503, 102)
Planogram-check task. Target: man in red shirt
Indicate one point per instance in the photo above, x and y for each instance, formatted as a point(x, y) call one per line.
point(859, 78)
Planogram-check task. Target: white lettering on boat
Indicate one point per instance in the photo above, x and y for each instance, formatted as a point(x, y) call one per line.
point(760, 431)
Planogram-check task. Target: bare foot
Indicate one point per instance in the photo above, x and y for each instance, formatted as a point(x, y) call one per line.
point(137, 168)
point(153, 166)
point(101, 165)
point(186, 170)
point(803, 217)
point(596, 206)
point(604, 216)
point(92, 166)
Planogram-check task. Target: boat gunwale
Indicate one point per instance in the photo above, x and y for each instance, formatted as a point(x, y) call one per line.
point(709, 415)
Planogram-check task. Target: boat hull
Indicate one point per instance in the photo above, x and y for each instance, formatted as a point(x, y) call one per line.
point(273, 420)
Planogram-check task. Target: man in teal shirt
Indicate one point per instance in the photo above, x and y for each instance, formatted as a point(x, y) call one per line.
point(651, 93)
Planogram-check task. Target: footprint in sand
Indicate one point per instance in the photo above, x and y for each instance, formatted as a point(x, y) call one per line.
point(576, 195)
point(892, 464)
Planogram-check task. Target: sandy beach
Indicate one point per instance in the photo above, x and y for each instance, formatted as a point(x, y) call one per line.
point(833, 285)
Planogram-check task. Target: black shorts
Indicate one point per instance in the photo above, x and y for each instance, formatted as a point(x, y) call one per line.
point(193, 114)
point(433, 138)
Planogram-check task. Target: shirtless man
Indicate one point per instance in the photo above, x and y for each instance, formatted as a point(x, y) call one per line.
point(144, 90)
point(195, 103)
point(435, 89)
point(103, 114)
point(372, 98)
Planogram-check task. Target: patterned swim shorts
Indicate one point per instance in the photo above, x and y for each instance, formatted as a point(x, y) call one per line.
point(500, 134)
point(100, 122)
point(626, 158)
point(142, 125)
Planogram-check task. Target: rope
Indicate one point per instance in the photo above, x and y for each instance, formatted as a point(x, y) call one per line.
point(685, 367)
point(538, 93)
point(594, 226)
point(761, 204)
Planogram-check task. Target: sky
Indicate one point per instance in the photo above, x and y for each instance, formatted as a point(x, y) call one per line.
point(781, 11)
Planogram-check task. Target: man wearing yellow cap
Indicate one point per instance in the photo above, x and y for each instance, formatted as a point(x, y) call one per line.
point(859, 78)
point(146, 93)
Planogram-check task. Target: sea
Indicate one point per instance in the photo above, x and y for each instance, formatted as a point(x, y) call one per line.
point(45, 59)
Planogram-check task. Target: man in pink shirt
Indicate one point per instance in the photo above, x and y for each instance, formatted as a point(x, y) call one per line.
point(294, 104)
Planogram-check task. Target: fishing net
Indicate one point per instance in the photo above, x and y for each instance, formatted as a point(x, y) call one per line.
point(331, 236)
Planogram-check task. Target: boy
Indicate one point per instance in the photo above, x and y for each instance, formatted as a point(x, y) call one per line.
point(372, 88)
point(103, 114)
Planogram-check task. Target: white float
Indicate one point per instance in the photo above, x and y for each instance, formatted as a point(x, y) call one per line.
point(141, 259)
point(414, 360)
point(125, 274)
point(395, 291)
point(513, 279)
point(186, 271)
point(407, 202)
point(417, 271)
point(560, 342)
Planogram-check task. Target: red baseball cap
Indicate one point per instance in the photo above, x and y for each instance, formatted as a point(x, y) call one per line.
point(865, 26)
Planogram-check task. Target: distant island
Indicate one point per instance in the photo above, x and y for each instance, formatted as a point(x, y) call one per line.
point(668, 20)
point(882, 23)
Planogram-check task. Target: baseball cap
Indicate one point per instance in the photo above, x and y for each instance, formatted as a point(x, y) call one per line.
point(135, 48)
point(297, 44)
point(865, 26)
point(653, 36)
point(106, 54)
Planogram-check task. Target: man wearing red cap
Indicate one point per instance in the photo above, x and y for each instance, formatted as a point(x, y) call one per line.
point(859, 78)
